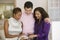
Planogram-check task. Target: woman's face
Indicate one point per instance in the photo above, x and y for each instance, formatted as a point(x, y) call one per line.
point(37, 14)
point(18, 15)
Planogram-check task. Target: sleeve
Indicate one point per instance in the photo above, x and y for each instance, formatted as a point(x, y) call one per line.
point(45, 30)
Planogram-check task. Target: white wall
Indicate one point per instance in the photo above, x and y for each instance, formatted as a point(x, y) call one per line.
point(56, 30)
point(39, 3)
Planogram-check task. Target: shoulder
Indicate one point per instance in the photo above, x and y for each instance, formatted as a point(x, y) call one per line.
point(6, 20)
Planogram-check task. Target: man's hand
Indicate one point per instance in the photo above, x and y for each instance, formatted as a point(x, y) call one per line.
point(47, 20)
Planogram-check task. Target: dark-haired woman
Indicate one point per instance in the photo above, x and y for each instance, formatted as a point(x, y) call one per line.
point(41, 28)
point(12, 26)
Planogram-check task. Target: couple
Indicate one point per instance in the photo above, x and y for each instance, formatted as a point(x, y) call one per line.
point(36, 24)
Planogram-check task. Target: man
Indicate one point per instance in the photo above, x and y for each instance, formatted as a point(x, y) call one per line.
point(27, 18)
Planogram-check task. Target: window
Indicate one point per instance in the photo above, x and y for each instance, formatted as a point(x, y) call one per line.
point(54, 9)
point(6, 9)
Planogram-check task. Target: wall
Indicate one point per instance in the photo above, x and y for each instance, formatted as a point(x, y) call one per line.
point(39, 3)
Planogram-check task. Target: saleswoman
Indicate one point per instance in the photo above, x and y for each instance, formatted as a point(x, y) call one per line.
point(41, 27)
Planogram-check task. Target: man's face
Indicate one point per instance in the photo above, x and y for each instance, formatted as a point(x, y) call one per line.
point(28, 10)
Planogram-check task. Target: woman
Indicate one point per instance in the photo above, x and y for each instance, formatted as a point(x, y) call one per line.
point(41, 27)
point(12, 26)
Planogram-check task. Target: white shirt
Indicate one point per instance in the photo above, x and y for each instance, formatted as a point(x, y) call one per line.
point(14, 26)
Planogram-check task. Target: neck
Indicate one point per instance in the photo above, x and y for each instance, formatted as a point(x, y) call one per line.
point(28, 14)
point(15, 18)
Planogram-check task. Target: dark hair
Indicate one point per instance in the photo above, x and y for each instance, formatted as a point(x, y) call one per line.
point(28, 4)
point(16, 10)
point(43, 13)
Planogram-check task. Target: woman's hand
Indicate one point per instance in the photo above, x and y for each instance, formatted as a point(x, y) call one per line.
point(32, 36)
point(21, 34)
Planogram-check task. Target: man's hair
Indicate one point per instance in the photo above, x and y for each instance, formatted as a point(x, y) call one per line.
point(28, 4)
point(16, 10)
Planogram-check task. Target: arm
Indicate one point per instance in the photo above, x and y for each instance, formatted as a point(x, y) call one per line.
point(22, 26)
point(45, 31)
point(22, 29)
point(7, 35)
